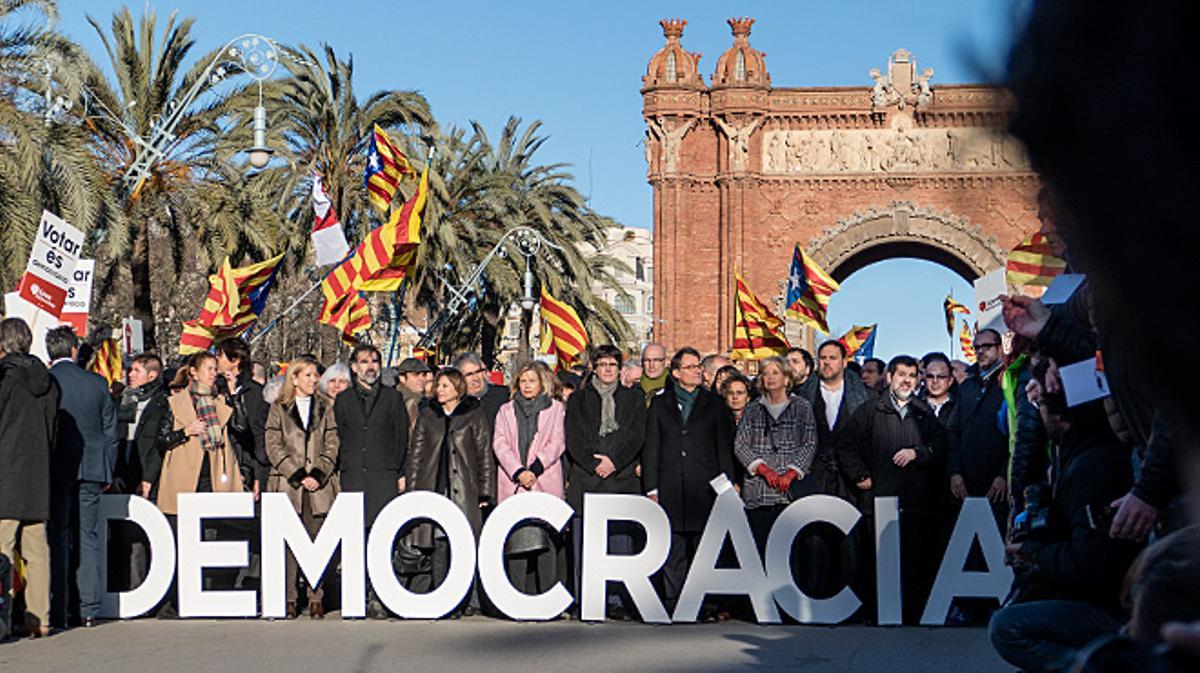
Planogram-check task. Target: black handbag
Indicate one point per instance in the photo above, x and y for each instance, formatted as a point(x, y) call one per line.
point(529, 538)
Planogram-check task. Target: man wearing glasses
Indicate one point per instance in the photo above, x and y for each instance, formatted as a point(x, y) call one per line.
point(654, 370)
point(978, 456)
point(491, 396)
point(939, 378)
point(689, 442)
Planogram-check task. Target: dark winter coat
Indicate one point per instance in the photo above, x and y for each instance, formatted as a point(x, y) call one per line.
point(680, 458)
point(1030, 452)
point(1084, 563)
point(28, 405)
point(493, 398)
point(873, 435)
point(978, 450)
point(374, 445)
point(85, 446)
point(854, 395)
point(623, 447)
point(140, 459)
point(247, 431)
point(470, 466)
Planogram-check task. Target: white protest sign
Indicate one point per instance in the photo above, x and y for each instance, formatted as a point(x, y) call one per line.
point(990, 311)
point(56, 249)
point(79, 297)
point(1083, 382)
point(38, 320)
point(1062, 287)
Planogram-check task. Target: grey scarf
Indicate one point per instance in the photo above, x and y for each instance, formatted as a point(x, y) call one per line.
point(527, 412)
point(608, 406)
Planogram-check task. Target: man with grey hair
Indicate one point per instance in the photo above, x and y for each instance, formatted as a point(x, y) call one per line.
point(83, 466)
point(709, 365)
point(28, 405)
point(654, 370)
point(491, 396)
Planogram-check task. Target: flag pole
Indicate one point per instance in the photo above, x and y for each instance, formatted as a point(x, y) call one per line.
point(951, 335)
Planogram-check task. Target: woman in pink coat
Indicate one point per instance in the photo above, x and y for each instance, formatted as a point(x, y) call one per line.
point(529, 443)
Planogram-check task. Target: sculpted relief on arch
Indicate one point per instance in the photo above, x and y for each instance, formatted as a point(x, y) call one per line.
point(899, 150)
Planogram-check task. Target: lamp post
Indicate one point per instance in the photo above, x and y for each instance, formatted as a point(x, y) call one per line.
point(252, 54)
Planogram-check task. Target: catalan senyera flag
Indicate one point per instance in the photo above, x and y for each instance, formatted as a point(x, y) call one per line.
point(568, 336)
point(349, 315)
point(106, 361)
point(236, 297)
point(386, 165)
point(1033, 262)
point(384, 258)
point(950, 307)
point(809, 290)
point(967, 340)
point(757, 332)
point(860, 342)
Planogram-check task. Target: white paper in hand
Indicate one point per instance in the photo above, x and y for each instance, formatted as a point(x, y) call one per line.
point(989, 309)
point(1062, 287)
point(1082, 382)
point(720, 483)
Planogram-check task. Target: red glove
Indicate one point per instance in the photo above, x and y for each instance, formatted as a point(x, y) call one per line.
point(770, 476)
point(785, 481)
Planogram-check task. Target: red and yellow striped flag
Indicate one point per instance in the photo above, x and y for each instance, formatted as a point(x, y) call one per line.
point(757, 332)
point(967, 340)
point(236, 297)
point(951, 307)
point(385, 166)
point(809, 290)
point(1033, 262)
point(195, 338)
point(568, 338)
point(106, 361)
point(349, 315)
point(384, 258)
point(859, 337)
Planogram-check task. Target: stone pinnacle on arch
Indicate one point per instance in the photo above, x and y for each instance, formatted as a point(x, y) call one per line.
point(673, 66)
point(741, 65)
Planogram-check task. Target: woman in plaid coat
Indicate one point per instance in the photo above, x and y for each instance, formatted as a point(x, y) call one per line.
point(776, 441)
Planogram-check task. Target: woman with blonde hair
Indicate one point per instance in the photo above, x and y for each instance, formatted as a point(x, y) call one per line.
point(302, 445)
point(529, 443)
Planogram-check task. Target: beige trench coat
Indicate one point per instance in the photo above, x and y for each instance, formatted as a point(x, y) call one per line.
point(181, 465)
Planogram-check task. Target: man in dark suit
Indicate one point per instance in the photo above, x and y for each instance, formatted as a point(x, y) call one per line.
point(491, 396)
point(689, 442)
point(85, 456)
point(372, 425)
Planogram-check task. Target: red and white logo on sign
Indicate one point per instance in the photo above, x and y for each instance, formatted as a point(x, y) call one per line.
point(42, 294)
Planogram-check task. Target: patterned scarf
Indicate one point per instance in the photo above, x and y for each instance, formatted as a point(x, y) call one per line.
point(204, 401)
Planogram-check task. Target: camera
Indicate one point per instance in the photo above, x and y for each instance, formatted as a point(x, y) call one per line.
point(1033, 523)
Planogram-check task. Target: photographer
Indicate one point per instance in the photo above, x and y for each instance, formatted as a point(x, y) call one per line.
point(1068, 571)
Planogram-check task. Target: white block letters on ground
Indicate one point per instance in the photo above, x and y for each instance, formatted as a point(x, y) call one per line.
point(634, 571)
point(282, 530)
point(195, 554)
point(728, 518)
point(766, 584)
point(801, 607)
point(144, 597)
point(492, 573)
point(450, 593)
point(975, 522)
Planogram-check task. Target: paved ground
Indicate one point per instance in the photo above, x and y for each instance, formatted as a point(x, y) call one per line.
point(482, 645)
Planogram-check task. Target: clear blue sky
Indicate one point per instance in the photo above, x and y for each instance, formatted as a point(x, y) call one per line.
point(577, 66)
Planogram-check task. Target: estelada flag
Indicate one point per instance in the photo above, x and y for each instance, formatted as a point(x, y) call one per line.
point(951, 307)
point(809, 290)
point(106, 361)
point(860, 341)
point(236, 297)
point(349, 315)
point(567, 332)
point(384, 258)
point(385, 166)
point(967, 340)
point(328, 239)
point(757, 332)
point(1033, 262)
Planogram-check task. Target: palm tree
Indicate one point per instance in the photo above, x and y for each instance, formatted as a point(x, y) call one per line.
point(45, 162)
point(194, 191)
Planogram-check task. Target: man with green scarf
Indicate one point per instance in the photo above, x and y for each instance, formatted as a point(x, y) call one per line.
point(654, 370)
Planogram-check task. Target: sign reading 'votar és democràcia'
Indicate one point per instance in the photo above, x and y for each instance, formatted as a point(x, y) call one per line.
point(768, 582)
point(49, 274)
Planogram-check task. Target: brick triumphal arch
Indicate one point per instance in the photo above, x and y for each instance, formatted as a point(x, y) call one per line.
point(742, 171)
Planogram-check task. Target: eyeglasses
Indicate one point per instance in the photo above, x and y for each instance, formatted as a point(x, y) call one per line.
point(605, 365)
point(476, 372)
point(982, 346)
point(937, 377)
point(690, 368)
